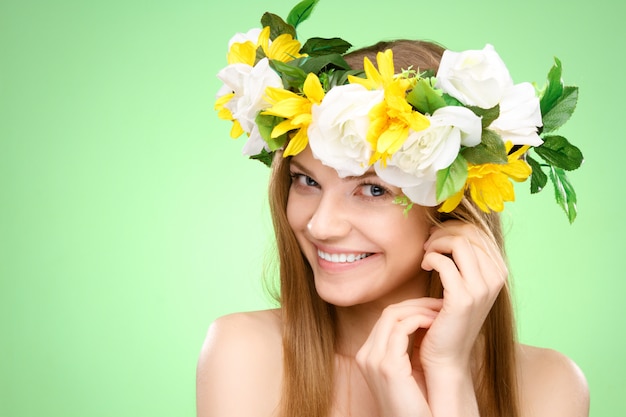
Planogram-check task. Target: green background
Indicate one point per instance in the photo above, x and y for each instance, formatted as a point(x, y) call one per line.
point(129, 221)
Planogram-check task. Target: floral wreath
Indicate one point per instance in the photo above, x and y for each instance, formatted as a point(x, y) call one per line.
point(467, 127)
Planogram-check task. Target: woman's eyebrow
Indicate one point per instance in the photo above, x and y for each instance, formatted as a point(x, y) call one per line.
point(299, 166)
point(368, 174)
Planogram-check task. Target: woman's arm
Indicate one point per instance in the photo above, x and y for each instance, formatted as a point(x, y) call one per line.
point(472, 272)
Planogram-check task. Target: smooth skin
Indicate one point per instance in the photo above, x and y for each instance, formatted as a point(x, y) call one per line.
point(400, 354)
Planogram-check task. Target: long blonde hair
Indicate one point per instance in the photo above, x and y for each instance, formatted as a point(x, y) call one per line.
point(309, 332)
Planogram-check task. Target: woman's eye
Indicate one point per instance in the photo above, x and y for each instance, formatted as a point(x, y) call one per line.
point(302, 179)
point(373, 190)
point(309, 181)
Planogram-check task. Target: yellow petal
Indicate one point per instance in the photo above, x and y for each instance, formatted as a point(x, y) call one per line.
point(284, 48)
point(385, 64)
point(303, 118)
point(418, 121)
point(236, 130)
point(313, 88)
point(288, 108)
point(242, 53)
point(392, 139)
point(518, 153)
point(373, 79)
point(275, 95)
point(223, 112)
point(264, 39)
point(362, 81)
point(452, 202)
point(297, 143)
point(518, 170)
point(281, 128)
point(477, 197)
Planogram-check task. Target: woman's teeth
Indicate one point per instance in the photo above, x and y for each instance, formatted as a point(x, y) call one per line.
point(341, 257)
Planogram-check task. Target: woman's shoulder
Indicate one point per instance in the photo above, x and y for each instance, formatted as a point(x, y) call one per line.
point(551, 384)
point(262, 323)
point(241, 358)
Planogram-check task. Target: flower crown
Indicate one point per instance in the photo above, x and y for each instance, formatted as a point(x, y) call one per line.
point(436, 136)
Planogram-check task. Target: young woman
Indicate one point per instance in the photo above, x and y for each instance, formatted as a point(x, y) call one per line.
point(385, 310)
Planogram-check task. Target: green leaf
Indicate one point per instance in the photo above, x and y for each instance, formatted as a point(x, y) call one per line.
point(451, 101)
point(334, 77)
point(424, 98)
point(561, 111)
point(486, 115)
point(265, 157)
point(260, 54)
point(557, 151)
point(293, 76)
point(323, 46)
point(277, 25)
point(564, 192)
point(301, 12)
point(553, 89)
point(452, 179)
point(266, 124)
point(317, 64)
point(490, 150)
point(539, 179)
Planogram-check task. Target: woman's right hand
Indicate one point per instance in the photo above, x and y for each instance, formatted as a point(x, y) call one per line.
point(394, 377)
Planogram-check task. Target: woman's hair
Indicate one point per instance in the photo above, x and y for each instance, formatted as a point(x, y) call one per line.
point(309, 333)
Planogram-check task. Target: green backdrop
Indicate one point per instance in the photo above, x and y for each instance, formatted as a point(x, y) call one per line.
point(129, 221)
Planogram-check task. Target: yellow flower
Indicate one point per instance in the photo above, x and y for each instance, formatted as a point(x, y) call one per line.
point(489, 184)
point(284, 48)
point(296, 110)
point(391, 119)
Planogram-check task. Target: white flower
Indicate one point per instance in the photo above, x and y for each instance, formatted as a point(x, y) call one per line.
point(255, 143)
point(474, 77)
point(250, 36)
point(337, 134)
point(414, 166)
point(520, 116)
point(249, 84)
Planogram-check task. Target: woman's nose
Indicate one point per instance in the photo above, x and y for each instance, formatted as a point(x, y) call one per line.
point(330, 220)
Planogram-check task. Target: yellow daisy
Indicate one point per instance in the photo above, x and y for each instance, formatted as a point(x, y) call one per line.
point(490, 185)
point(284, 48)
point(392, 118)
point(296, 110)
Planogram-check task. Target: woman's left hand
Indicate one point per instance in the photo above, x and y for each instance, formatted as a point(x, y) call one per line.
point(472, 272)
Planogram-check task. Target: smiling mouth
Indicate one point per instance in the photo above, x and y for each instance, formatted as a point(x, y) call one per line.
point(342, 257)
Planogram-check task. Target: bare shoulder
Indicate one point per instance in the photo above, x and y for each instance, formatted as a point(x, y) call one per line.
point(551, 384)
point(241, 358)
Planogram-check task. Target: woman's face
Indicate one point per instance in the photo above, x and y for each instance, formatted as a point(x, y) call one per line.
point(361, 246)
